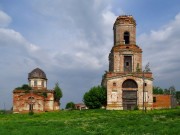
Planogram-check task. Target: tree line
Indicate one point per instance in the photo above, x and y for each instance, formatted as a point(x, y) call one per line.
point(170, 91)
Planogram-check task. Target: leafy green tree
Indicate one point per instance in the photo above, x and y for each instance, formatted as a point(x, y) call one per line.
point(157, 90)
point(70, 105)
point(96, 97)
point(166, 91)
point(178, 97)
point(57, 92)
point(172, 90)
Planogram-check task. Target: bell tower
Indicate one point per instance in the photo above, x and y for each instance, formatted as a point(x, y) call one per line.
point(124, 30)
point(125, 78)
point(125, 55)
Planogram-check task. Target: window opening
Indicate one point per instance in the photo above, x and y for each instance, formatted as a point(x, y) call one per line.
point(127, 63)
point(35, 83)
point(42, 83)
point(154, 99)
point(126, 37)
point(114, 84)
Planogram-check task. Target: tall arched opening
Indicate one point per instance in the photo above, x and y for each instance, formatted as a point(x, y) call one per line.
point(129, 94)
point(126, 37)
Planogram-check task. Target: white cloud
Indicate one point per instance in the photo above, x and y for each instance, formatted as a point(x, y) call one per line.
point(9, 37)
point(161, 49)
point(4, 19)
point(108, 17)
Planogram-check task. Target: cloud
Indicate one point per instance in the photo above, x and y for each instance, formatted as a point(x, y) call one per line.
point(85, 30)
point(161, 49)
point(4, 19)
point(71, 52)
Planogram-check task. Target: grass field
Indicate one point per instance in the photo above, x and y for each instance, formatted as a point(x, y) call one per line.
point(95, 122)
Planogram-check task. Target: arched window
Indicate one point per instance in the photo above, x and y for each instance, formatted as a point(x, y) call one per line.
point(35, 82)
point(42, 83)
point(126, 37)
point(129, 84)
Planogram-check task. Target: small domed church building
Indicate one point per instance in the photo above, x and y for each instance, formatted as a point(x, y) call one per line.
point(38, 99)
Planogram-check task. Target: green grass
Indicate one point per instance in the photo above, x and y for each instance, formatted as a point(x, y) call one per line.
point(95, 122)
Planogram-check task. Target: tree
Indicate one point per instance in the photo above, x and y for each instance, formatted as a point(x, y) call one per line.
point(157, 90)
point(172, 90)
point(178, 97)
point(70, 105)
point(96, 97)
point(166, 91)
point(57, 92)
point(147, 68)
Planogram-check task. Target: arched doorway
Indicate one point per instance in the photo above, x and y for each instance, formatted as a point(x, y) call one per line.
point(129, 94)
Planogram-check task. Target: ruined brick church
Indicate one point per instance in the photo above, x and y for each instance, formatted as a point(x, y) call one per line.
point(128, 85)
point(38, 99)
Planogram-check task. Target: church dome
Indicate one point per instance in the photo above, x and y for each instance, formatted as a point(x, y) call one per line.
point(37, 73)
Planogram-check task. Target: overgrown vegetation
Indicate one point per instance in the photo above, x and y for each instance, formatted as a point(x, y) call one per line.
point(24, 87)
point(44, 94)
point(96, 97)
point(92, 122)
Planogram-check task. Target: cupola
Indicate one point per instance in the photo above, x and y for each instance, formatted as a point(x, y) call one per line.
point(37, 79)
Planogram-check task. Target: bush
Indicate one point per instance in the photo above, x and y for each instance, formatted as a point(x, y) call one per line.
point(96, 97)
point(136, 108)
point(24, 87)
point(44, 94)
point(70, 105)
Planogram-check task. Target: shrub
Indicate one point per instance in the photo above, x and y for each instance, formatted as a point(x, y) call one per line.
point(136, 108)
point(24, 87)
point(70, 105)
point(96, 97)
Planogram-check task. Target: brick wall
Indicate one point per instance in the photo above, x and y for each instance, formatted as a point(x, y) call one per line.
point(161, 101)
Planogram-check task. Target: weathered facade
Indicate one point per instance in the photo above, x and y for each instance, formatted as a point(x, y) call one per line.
point(128, 86)
point(39, 99)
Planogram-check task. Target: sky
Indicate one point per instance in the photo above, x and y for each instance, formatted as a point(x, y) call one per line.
point(70, 40)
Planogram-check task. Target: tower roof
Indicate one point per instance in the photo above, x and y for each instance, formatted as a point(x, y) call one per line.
point(124, 19)
point(37, 73)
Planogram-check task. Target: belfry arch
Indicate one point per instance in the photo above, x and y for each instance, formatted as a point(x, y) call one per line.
point(126, 37)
